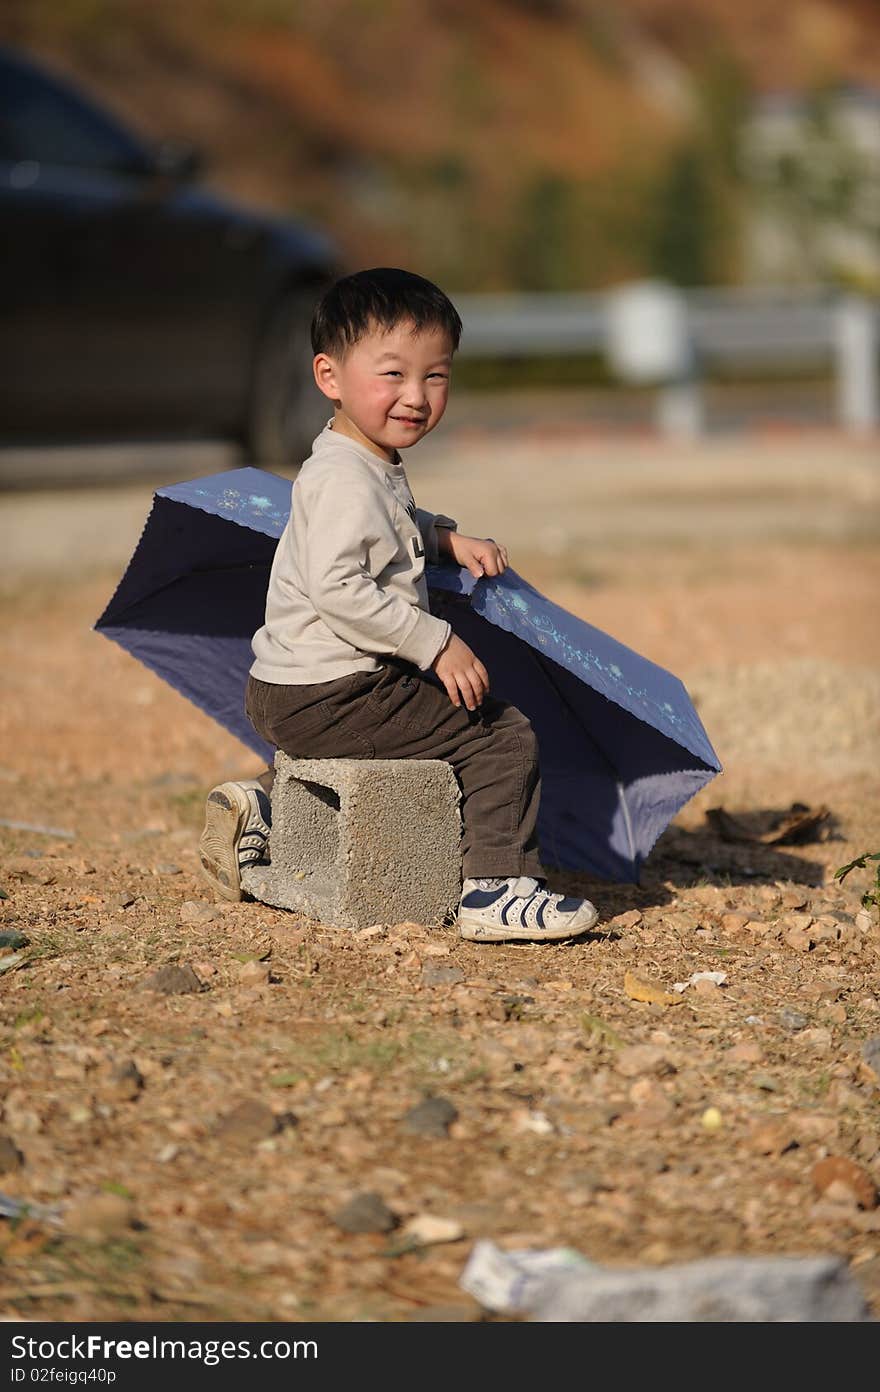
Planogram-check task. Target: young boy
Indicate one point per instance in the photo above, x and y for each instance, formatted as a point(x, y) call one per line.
point(350, 662)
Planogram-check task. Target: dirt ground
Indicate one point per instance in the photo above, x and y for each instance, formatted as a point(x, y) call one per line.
point(637, 1132)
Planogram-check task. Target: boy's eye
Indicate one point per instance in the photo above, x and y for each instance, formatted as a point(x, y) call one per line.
point(393, 372)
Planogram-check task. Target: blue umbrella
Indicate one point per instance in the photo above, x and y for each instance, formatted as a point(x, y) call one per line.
point(622, 748)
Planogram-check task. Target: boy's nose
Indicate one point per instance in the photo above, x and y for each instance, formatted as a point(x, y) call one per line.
point(414, 394)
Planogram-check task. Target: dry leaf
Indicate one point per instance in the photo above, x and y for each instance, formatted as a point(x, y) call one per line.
point(798, 825)
point(638, 988)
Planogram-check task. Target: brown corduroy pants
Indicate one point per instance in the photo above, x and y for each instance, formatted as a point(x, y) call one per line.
point(397, 713)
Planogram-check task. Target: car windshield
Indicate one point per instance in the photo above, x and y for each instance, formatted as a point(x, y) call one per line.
point(48, 123)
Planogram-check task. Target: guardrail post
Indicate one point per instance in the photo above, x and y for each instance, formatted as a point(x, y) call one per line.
point(857, 352)
point(649, 342)
point(679, 410)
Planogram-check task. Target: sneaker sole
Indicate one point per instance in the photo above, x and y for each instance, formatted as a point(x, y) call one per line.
point(476, 930)
point(226, 815)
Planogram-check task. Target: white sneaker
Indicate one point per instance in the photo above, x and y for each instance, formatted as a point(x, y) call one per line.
point(235, 836)
point(520, 910)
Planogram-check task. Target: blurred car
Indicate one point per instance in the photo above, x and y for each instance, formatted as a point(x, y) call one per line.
point(136, 303)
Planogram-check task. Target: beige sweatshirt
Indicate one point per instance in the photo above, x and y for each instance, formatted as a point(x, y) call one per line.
point(347, 585)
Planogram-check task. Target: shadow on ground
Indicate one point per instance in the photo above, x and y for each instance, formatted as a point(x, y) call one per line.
point(684, 859)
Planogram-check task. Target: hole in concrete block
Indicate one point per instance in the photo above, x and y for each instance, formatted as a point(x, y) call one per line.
point(326, 795)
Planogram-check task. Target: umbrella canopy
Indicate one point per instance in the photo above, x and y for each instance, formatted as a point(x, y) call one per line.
point(621, 747)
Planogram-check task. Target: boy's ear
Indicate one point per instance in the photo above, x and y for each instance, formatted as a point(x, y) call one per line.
point(324, 369)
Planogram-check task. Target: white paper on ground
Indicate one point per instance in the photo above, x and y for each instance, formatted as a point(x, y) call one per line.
point(718, 977)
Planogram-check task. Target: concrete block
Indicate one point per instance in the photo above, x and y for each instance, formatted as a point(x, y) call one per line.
point(362, 841)
point(560, 1286)
point(740, 1290)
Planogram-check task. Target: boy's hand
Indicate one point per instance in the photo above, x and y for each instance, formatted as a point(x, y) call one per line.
point(462, 673)
point(480, 556)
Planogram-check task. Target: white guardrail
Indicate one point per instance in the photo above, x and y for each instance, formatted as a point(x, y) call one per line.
point(655, 334)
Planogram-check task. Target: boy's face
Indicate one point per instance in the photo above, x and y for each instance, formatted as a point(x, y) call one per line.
point(391, 387)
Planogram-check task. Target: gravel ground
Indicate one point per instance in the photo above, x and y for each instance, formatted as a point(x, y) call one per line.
point(196, 1148)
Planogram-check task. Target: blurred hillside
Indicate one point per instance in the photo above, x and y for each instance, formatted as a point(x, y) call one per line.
point(543, 144)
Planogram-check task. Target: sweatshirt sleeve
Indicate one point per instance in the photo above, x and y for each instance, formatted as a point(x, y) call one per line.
point(427, 523)
point(351, 533)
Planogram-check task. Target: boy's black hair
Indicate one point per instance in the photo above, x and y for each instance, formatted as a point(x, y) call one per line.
point(383, 297)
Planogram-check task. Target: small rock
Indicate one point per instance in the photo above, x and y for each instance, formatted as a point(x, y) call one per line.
point(365, 1213)
point(533, 1123)
point(13, 939)
point(681, 922)
point(864, 921)
point(511, 1007)
point(433, 1117)
point(626, 920)
point(794, 899)
point(205, 971)
point(792, 1019)
point(771, 1138)
point(166, 868)
point(841, 1095)
point(427, 1230)
point(798, 939)
point(757, 927)
point(434, 974)
point(798, 921)
point(825, 932)
point(817, 1038)
point(254, 973)
point(642, 1058)
point(746, 1052)
point(197, 911)
point(406, 929)
point(121, 901)
point(19, 1116)
point(847, 1179)
point(99, 1218)
point(871, 1056)
point(707, 987)
point(646, 1092)
point(250, 1121)
point(812, 1127)
point(652, 1112)
point(23, 868)
point(127, 1081)
point(733, 923)
point(172, 981)
point(11, 1157)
